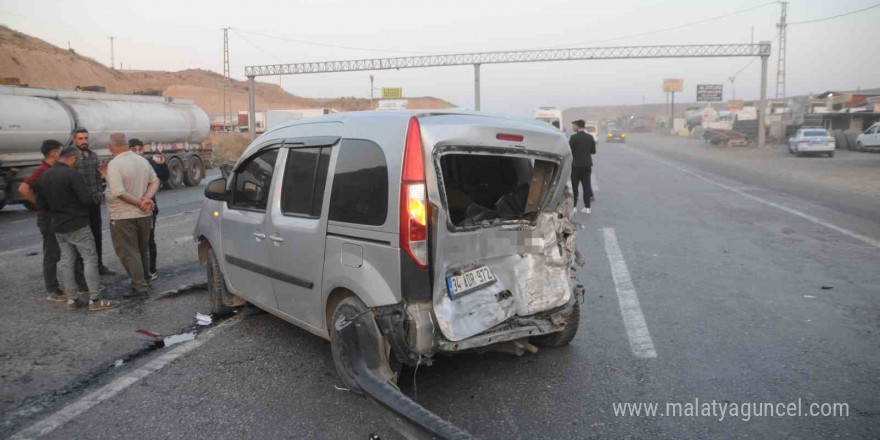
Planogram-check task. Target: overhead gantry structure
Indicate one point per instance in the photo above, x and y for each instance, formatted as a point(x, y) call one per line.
point(477, 59)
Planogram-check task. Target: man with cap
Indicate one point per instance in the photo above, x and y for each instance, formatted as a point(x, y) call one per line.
point(161, 168)
point(583, 147)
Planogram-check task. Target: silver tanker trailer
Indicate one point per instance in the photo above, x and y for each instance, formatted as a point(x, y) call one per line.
point(28, 116)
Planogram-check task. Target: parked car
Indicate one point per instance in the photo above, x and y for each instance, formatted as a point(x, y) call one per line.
point(870, 139)
point(812, 141)
point(616, 136)
point(434, 233)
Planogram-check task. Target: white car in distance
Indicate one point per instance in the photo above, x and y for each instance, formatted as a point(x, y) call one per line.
point(812, 141)
point(870, 138)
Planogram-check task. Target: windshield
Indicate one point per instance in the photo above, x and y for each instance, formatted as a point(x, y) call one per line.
point(591, 128)
point(816, 133)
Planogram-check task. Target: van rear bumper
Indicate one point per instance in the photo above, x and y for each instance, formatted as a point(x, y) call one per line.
point(514, 328)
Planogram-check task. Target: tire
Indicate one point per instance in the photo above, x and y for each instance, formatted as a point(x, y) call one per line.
point(859, 147)
point(194, 171)
point(562, 338)
point(851, 139)
point(831, 154)
point(176, 171)
point(348, 307)
point(217, 287)
point(841, 140)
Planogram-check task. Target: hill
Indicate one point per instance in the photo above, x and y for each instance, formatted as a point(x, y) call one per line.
point(40, 64)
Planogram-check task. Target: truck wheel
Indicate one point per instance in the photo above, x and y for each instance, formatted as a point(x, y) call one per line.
point(176, 171)
point(562, 338)
point(217, 287)
point(194, 171)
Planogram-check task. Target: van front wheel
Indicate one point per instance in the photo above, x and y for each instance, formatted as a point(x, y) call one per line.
point(562, 338)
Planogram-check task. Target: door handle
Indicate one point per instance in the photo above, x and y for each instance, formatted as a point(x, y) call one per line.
point(259, 235)
point(276, 239)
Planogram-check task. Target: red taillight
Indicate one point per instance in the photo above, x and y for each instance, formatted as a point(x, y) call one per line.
point(414, 198)
point(509, 137)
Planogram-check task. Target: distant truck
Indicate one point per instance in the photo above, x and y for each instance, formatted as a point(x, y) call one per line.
point(28, 116)
point(267, 119)
point(549, 115)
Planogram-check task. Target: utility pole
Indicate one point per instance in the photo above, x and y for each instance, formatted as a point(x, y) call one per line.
point(476, 87)
point(780, 66)
point(227, 100)
point(112, 60)
point(371, 91)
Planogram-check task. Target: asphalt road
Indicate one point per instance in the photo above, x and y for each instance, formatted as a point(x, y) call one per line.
point(751, 289)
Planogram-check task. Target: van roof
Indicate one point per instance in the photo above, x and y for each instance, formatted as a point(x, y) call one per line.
point(346, 117)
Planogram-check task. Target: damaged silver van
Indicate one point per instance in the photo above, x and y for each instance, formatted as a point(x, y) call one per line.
point(399, 236)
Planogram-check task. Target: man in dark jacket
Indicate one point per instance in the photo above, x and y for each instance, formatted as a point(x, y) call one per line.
point(161, 168)
point(583, 147)
point(64, 193)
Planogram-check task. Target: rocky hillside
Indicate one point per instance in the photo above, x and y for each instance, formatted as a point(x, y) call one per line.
point(39, 64)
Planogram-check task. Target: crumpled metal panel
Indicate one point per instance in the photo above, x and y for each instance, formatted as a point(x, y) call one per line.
point(540, 276)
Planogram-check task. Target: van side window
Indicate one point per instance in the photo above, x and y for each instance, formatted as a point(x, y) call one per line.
point(360, 185)
point(305, 176)
point(252, 182)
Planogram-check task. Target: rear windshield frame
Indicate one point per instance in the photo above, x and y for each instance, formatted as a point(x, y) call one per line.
point(441, 151)
point(816, 133)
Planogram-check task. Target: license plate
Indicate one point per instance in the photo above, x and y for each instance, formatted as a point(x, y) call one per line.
point(471, 280)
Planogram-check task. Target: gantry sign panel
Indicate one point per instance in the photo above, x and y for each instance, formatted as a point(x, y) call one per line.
point(517, 56)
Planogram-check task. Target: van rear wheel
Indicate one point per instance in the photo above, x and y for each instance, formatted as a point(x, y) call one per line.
point(564, 337)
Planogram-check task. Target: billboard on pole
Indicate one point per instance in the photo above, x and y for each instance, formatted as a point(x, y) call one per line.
point(710, 92)
point(673, 85)
point(392, 92)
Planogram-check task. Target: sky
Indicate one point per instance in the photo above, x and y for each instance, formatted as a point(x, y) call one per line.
point(834, 54)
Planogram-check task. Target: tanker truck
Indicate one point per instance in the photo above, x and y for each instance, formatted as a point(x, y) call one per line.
point(28, 116)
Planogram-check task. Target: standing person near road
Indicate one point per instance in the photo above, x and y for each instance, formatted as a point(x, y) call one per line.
point(583, 147)
point(63, 191)
point(132, 184)
point(51, 252)
point(162, 172)
point(93, 173)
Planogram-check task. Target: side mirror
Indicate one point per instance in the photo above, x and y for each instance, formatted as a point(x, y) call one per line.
point(216, 190)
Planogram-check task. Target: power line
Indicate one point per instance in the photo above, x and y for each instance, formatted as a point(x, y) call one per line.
point(836, 16)
point(257, 47)
point(693, 23)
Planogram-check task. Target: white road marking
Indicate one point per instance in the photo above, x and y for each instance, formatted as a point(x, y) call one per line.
point(792, 211)
point(636, 328)
point(82, 405)
point(183, 239)
point(594, 183)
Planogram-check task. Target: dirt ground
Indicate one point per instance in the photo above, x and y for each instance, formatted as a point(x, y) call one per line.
point(227, 147)
point(849, 171)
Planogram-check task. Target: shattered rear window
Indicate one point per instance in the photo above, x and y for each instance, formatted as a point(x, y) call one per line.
point(489, 189)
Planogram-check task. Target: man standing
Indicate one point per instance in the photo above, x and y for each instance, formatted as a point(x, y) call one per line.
point(51, 251)
point(162, 172)
point(583, 147)
point(132, 184)
point(93, 173)
point(64, 191)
